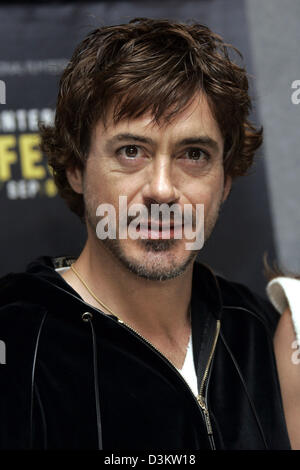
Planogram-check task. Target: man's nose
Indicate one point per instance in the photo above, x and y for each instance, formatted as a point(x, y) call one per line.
point(160, 183)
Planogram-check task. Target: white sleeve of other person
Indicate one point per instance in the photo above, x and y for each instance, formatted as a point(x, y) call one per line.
point(284, 292)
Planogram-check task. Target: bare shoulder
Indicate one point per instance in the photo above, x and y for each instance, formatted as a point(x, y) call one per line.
point(288, 363)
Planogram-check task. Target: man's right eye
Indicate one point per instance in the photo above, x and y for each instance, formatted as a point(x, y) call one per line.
point(129, 151)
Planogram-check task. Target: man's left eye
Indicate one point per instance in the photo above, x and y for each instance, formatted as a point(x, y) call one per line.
point(195, 154)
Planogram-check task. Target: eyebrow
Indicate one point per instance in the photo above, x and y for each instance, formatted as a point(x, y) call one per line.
point(197, 140)
point(201, 140)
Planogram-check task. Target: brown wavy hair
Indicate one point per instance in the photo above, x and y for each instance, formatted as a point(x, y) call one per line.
point(147, 65)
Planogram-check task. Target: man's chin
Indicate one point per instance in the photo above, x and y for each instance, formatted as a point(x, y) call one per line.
point(156, 260)
point(156, 271)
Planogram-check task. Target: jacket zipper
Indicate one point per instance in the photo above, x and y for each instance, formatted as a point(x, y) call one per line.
point(200, 399)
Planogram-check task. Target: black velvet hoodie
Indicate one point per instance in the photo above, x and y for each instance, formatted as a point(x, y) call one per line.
point(76, 378)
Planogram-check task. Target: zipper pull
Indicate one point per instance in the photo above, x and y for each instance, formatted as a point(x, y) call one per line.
point(201, 402)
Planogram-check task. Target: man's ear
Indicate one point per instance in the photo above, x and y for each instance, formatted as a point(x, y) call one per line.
point(227, 187)
point(75, 178)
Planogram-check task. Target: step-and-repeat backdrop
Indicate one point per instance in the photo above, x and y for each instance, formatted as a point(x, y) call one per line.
point(36, 42)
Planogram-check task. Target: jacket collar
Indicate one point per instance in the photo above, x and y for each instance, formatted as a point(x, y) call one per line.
point(205, 286)
point(206, 307)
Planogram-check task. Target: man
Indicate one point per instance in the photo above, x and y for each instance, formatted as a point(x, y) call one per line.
point(135, 345)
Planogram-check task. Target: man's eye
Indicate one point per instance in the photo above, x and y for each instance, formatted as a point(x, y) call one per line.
point(129, 151)
point(196, 154)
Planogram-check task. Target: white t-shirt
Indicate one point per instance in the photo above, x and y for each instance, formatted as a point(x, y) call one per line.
point(284, 292)
point(188, 371)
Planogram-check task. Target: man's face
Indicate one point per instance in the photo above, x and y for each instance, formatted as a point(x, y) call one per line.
point(179, 162)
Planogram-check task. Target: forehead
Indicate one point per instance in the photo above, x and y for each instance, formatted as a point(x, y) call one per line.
point(196, 119)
